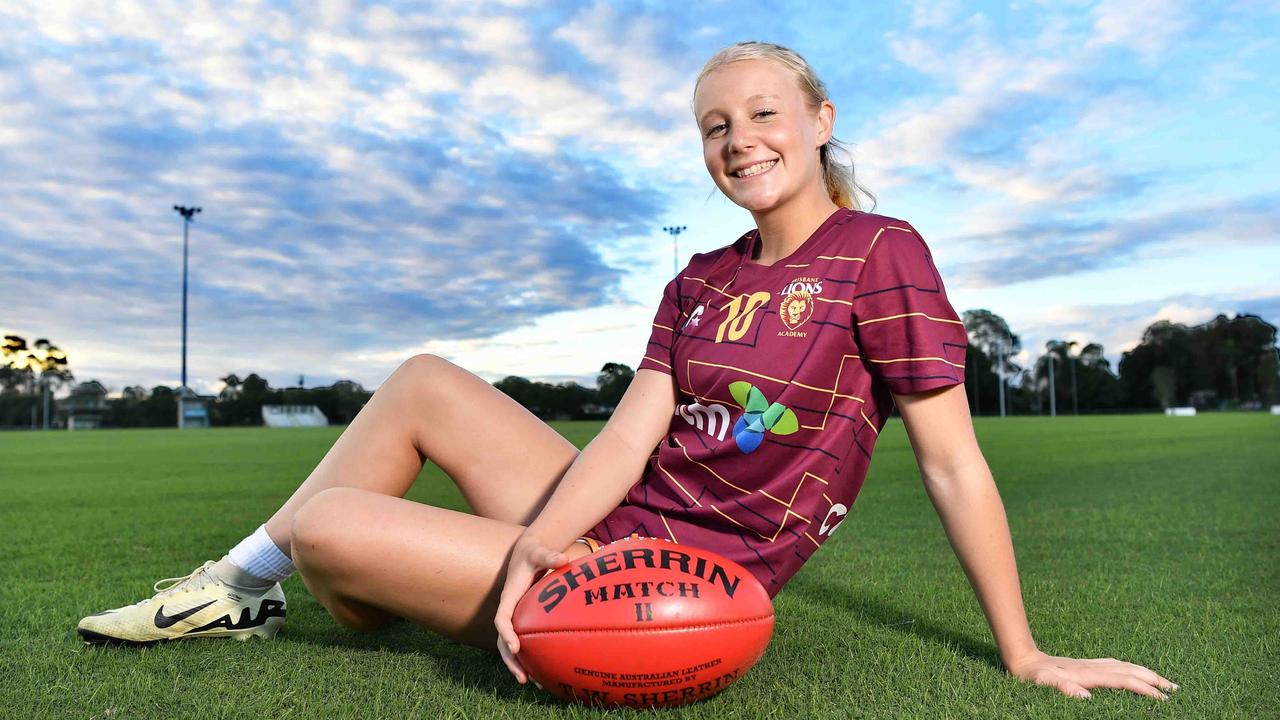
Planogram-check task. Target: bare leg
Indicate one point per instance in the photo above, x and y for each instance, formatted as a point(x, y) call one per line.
point(504, 459)
point(368, 557)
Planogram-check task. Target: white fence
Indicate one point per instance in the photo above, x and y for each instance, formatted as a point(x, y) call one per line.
point(1180, 412)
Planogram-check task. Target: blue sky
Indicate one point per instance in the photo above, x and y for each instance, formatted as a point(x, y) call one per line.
point(488, 181)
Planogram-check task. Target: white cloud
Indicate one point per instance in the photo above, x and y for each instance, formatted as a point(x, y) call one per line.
point(933, 13)
point(1145, 26)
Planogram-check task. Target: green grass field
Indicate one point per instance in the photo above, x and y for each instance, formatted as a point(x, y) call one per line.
point(1146, 538)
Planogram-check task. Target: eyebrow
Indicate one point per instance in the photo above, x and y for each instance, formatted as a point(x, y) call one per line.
point(758, 96)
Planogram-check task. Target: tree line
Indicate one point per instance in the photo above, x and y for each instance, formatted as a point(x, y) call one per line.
point(240, 401)
point(1225, 363)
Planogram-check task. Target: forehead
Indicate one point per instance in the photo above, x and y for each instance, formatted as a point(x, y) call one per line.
point(741, 83)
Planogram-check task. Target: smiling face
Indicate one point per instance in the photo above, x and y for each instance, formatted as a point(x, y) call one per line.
point(760, 139)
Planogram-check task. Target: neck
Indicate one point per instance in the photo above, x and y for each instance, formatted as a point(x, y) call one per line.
point(783, 229)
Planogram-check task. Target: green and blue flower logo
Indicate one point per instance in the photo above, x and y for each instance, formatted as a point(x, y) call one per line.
point(760, 417)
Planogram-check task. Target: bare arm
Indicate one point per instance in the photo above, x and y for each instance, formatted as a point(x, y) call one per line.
point(960, 485)
point(594, 484)
point(610, 464)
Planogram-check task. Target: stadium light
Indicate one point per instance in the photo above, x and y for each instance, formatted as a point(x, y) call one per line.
point(1001, 358)
point(1053, 393)
point(675, 231)
point(187, 214)
point(1075, 403)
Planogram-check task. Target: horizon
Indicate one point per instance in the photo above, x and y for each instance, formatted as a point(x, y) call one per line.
point(489, 182)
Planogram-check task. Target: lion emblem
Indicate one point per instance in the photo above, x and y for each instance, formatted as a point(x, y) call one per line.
point(795, 309)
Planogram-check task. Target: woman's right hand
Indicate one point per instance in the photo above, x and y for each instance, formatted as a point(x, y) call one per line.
point(529, 558)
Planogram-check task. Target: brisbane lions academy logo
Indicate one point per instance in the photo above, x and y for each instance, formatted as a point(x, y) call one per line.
point(796, 305)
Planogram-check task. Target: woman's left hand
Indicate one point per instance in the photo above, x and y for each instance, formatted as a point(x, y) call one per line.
point(1074, 677)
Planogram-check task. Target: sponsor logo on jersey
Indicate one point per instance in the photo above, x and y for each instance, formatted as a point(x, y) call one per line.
point(760, 417)
point(713, 419)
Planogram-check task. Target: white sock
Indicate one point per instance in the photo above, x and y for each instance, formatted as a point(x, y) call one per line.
point(259, 556)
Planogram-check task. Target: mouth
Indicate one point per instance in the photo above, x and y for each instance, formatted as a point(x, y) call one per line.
point(756, 169)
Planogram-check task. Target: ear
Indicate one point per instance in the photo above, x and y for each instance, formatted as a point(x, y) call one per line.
point(826, 122)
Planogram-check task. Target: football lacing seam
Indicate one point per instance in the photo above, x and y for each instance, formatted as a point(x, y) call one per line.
point(705, 626)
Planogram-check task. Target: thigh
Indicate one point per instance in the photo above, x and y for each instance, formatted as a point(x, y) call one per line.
point(438, 568)
point(503, 458)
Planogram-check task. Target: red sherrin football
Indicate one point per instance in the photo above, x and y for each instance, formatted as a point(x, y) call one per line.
point(643, 622)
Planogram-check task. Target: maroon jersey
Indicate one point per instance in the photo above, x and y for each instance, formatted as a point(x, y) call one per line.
point(784, 374)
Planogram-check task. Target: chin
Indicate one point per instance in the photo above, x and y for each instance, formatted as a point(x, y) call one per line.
point(757, 203)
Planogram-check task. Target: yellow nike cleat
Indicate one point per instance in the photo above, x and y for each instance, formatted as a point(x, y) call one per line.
point(195, 605)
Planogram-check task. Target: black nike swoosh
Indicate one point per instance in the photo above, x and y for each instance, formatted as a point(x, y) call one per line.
point(164, 621)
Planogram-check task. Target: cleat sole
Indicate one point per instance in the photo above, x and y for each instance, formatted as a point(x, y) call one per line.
point(92, 638)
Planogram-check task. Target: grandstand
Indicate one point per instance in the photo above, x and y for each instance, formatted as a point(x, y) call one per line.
point(293, 416)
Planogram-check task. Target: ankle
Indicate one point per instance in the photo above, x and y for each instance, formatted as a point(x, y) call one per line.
point(260, 556)
point(237, 577)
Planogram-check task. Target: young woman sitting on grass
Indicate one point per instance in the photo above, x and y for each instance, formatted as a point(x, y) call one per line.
point(773, 364)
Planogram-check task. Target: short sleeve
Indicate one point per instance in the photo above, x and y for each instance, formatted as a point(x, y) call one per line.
point(657, 354)
point(907, 333)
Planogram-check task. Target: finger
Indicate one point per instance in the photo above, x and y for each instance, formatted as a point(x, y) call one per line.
point(1152, 678)
point(1073, 689)
point(1138, 686)
point(507, 634)
point(1122, 681)
point(1144, 674)
point(552, 558)
point(509, 659)
point(511, 594)
point(1061, 681)
point(1149, 676)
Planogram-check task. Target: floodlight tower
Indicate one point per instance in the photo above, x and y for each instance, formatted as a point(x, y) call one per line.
point(1075, 404)
point(1053, 390)
point(675, 231)
point(188, 214)
point(1000, 358)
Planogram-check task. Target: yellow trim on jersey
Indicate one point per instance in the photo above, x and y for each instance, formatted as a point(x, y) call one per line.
point(910, 314)
point(646, 357)
point(919, 359)
point(708, 469)
point(682, 488)
point(868, 421)
point(668, 527)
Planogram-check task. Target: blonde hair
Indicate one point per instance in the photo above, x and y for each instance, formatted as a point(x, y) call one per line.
point(841, 184)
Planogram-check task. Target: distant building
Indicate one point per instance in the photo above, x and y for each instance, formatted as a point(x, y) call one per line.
point(84, 408)
point(193, 408)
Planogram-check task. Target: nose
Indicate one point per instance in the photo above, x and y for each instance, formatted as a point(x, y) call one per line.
point(741, 139)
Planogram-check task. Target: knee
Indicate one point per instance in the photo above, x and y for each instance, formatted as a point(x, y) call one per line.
point(316, 530)
point(415, 377)
point(420, 367)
